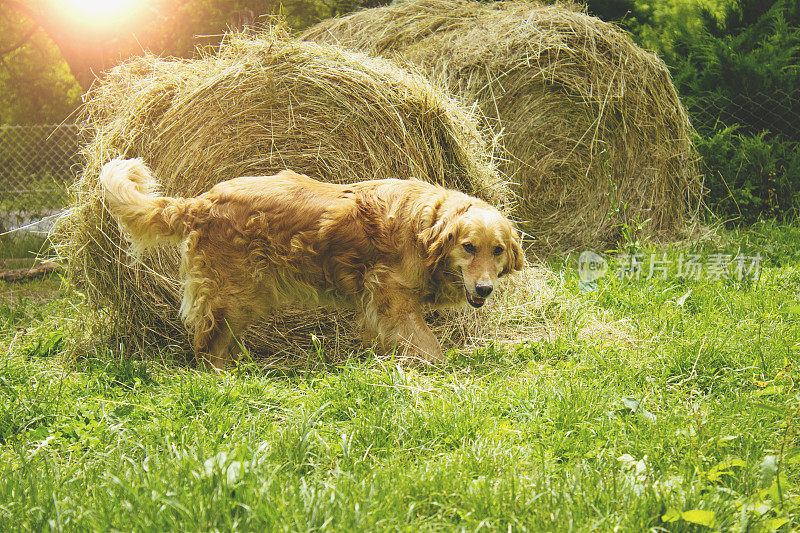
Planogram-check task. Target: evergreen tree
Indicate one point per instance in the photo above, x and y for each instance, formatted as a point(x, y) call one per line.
point(743, 70)
point(739, 77)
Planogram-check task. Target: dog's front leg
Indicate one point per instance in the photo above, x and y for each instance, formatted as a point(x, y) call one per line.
point(395, 316)
point(215, 341)
point(415, 339)
point(211, 347)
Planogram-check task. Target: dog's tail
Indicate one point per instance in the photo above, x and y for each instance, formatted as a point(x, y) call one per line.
point(131, 194)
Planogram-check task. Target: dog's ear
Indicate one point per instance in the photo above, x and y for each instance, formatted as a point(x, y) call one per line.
point(516, 256)
point(438, 240)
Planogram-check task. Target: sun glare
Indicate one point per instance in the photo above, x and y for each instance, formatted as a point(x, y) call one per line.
point(99, 11)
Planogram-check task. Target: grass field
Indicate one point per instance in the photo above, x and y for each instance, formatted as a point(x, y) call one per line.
point(691, 426)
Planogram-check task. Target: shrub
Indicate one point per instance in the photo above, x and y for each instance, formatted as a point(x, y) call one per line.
point(749, 176)
point(739, 80)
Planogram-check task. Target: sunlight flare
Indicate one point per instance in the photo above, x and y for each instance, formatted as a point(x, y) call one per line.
point(99, 11)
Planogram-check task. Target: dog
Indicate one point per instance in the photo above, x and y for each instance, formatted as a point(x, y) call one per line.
point(390, 249)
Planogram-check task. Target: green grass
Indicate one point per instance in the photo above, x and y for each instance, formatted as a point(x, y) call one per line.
point(692, 427)
point(43, 195)
point(24, 247)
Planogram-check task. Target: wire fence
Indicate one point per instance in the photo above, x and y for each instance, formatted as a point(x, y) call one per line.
point(775, 112)
point(37, 164)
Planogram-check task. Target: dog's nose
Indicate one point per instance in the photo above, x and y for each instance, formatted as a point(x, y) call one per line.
point(483, 289)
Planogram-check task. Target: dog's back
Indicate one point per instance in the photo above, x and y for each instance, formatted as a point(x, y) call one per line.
point(279, 206)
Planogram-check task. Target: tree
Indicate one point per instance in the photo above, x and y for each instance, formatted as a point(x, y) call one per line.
point(627, 13)
point(742, 68)
point(36, 85)
point(49, 55)
point(739, 79)
point(90, 46)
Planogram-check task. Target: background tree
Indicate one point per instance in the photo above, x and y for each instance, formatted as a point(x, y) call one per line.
point(629, 14)
point(36, 85)
point(50, 51)
point(739, 78)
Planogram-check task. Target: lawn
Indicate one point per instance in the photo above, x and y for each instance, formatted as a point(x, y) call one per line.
point(690, 424)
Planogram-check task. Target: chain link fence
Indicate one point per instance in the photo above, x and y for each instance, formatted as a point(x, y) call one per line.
point(749, 144)
point(776, 111)
point(37, 163)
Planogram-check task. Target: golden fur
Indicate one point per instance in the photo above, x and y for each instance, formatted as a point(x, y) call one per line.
point(388, 248)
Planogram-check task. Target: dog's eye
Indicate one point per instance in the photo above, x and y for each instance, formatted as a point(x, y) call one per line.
point(498, 250)
point(470, 248)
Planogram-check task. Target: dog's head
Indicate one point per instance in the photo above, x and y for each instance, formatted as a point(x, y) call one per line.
point(475, 240)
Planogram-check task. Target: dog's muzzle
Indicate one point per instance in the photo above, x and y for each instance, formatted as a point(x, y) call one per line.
point(475, 301)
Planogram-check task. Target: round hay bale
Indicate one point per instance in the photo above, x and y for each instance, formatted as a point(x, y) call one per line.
point(257, 106)
point(595, 136)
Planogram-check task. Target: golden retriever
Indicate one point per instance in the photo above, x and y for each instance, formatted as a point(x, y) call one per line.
point(388, 248)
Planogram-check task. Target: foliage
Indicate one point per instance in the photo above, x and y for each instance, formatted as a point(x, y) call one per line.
point(36, 86)
point(668, 20)
point(743, 73)
point(750, 175)
point(738, 77)
point(629, 14)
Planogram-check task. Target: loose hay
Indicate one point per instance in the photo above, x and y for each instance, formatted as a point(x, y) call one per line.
point(255, 107)
point(595, 136)
point(534, 305)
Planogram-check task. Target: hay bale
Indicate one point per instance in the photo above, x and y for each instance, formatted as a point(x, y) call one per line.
point(595, 136)
point(255, 107)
